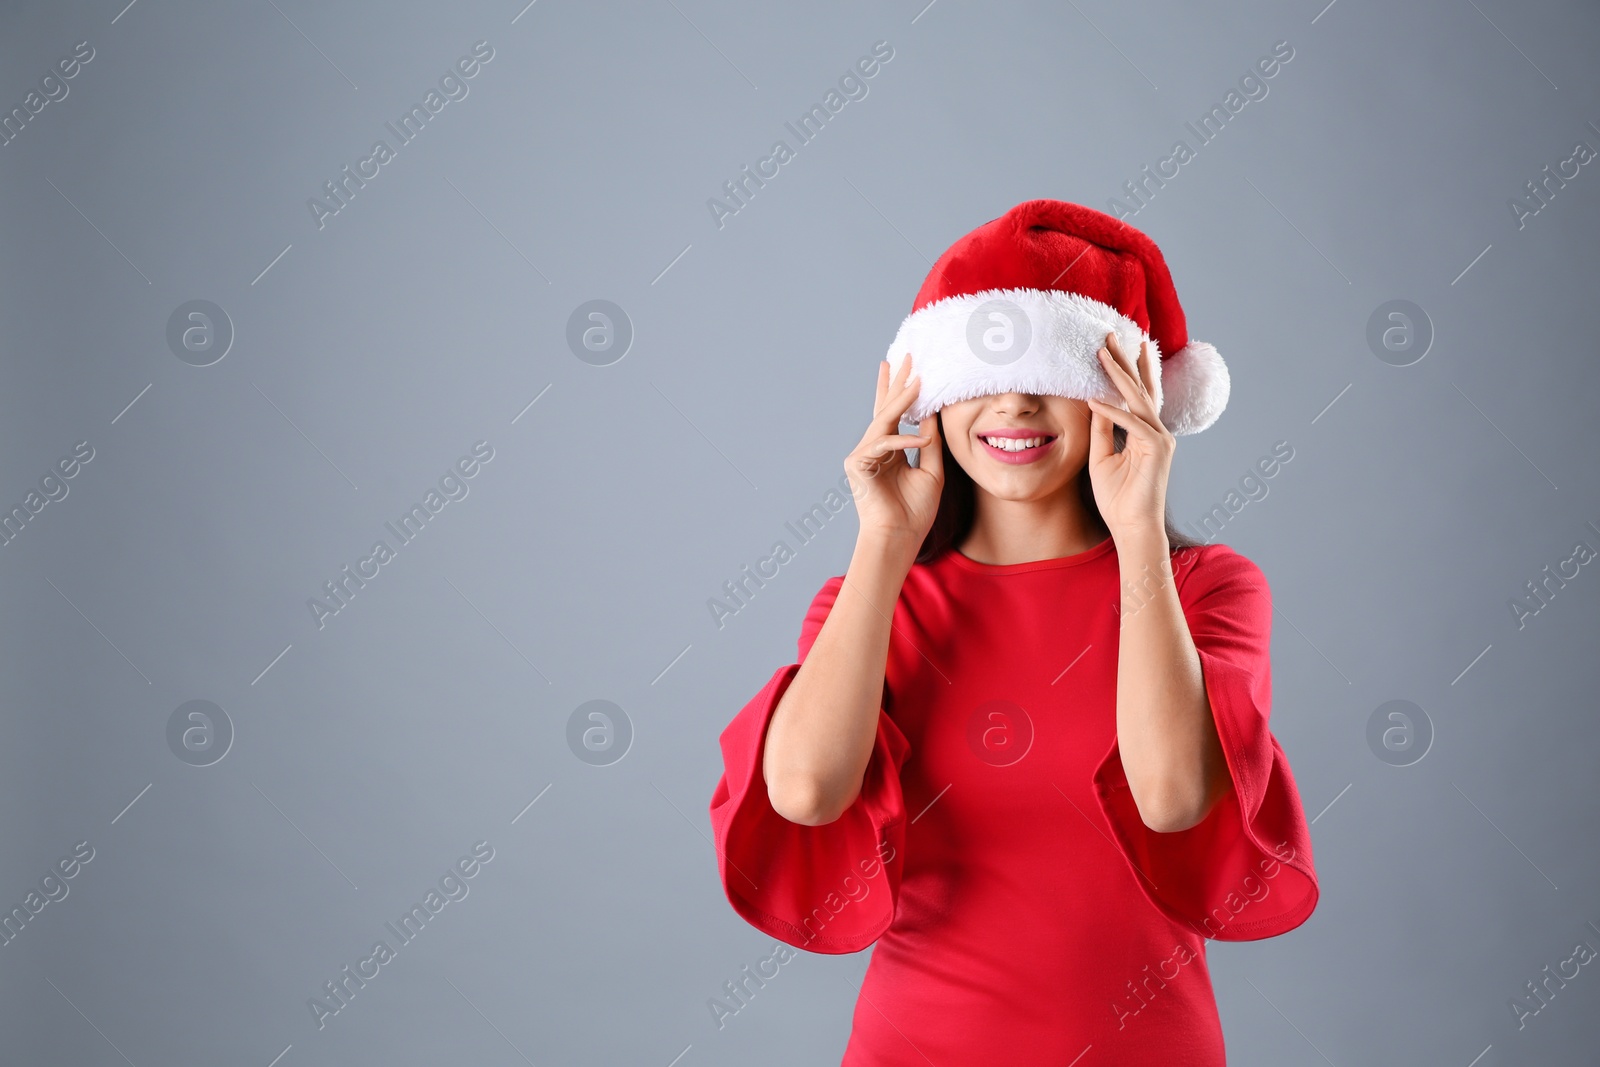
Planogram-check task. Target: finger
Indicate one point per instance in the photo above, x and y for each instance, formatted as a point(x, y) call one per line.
point(888, 443)
point(931, 456)
point(1132, 390)
point(891, 380)
point(1128, 364)
point(886, 419)
point(1147, 368)
point(902, 371)
point(1132, 422)
point(1101, 441)
point(1145, 409)
point(1108, 415)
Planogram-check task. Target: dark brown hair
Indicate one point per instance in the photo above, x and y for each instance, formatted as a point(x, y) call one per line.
point(958, 503)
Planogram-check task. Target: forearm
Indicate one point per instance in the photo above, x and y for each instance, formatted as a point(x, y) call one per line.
point(1166, 732)
point(821, 734)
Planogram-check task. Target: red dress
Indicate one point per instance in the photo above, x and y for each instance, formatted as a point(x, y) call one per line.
point(1022, 912)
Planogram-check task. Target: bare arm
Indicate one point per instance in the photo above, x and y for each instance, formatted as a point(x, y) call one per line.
point(1166, 732)
point(819, 740)
point(822, 731)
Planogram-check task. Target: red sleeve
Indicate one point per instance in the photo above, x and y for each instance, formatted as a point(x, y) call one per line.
point(1245, 871)
point(829, 888)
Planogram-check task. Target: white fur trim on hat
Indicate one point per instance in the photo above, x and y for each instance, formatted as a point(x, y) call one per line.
point(1044, 341)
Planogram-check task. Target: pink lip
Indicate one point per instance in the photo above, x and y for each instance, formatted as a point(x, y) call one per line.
point(1027, 455)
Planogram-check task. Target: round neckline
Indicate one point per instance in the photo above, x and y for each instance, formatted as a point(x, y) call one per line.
point(967, 563)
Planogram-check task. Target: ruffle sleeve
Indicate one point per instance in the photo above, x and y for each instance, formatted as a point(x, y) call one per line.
point(829, 888)
point(1245, 871)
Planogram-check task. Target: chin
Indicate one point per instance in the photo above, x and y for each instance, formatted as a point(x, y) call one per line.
point(1023, 483)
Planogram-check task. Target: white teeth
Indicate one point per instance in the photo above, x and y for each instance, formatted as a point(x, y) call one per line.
point(1013, 444)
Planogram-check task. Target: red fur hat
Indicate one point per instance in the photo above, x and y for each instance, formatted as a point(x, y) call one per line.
point(1023, 303)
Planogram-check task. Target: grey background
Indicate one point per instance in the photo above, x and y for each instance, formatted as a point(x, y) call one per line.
point(372, 753)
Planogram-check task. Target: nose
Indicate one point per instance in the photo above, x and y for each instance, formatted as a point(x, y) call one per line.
point(1015, 403)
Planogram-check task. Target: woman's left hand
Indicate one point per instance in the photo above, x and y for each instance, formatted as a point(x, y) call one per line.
point(1130, 487)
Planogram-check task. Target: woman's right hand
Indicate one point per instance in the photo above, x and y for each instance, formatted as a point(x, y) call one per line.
point(894, 500)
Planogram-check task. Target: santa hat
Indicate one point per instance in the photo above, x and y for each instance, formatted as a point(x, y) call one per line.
point(1023, 303)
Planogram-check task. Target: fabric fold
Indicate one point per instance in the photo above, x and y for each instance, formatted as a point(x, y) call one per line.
point(1244, 872)
point(830, 888)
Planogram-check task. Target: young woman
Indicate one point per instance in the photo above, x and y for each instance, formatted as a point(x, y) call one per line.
point(1024, 747)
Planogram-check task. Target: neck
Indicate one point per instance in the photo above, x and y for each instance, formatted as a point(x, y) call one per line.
point(1023, 531)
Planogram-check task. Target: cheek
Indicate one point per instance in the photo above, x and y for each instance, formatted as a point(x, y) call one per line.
point(957, 432)
point(1074, 440)
point(1073, 448)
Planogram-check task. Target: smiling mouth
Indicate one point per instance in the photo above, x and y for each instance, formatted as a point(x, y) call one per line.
point(1016, 444)
point(1013, 447)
